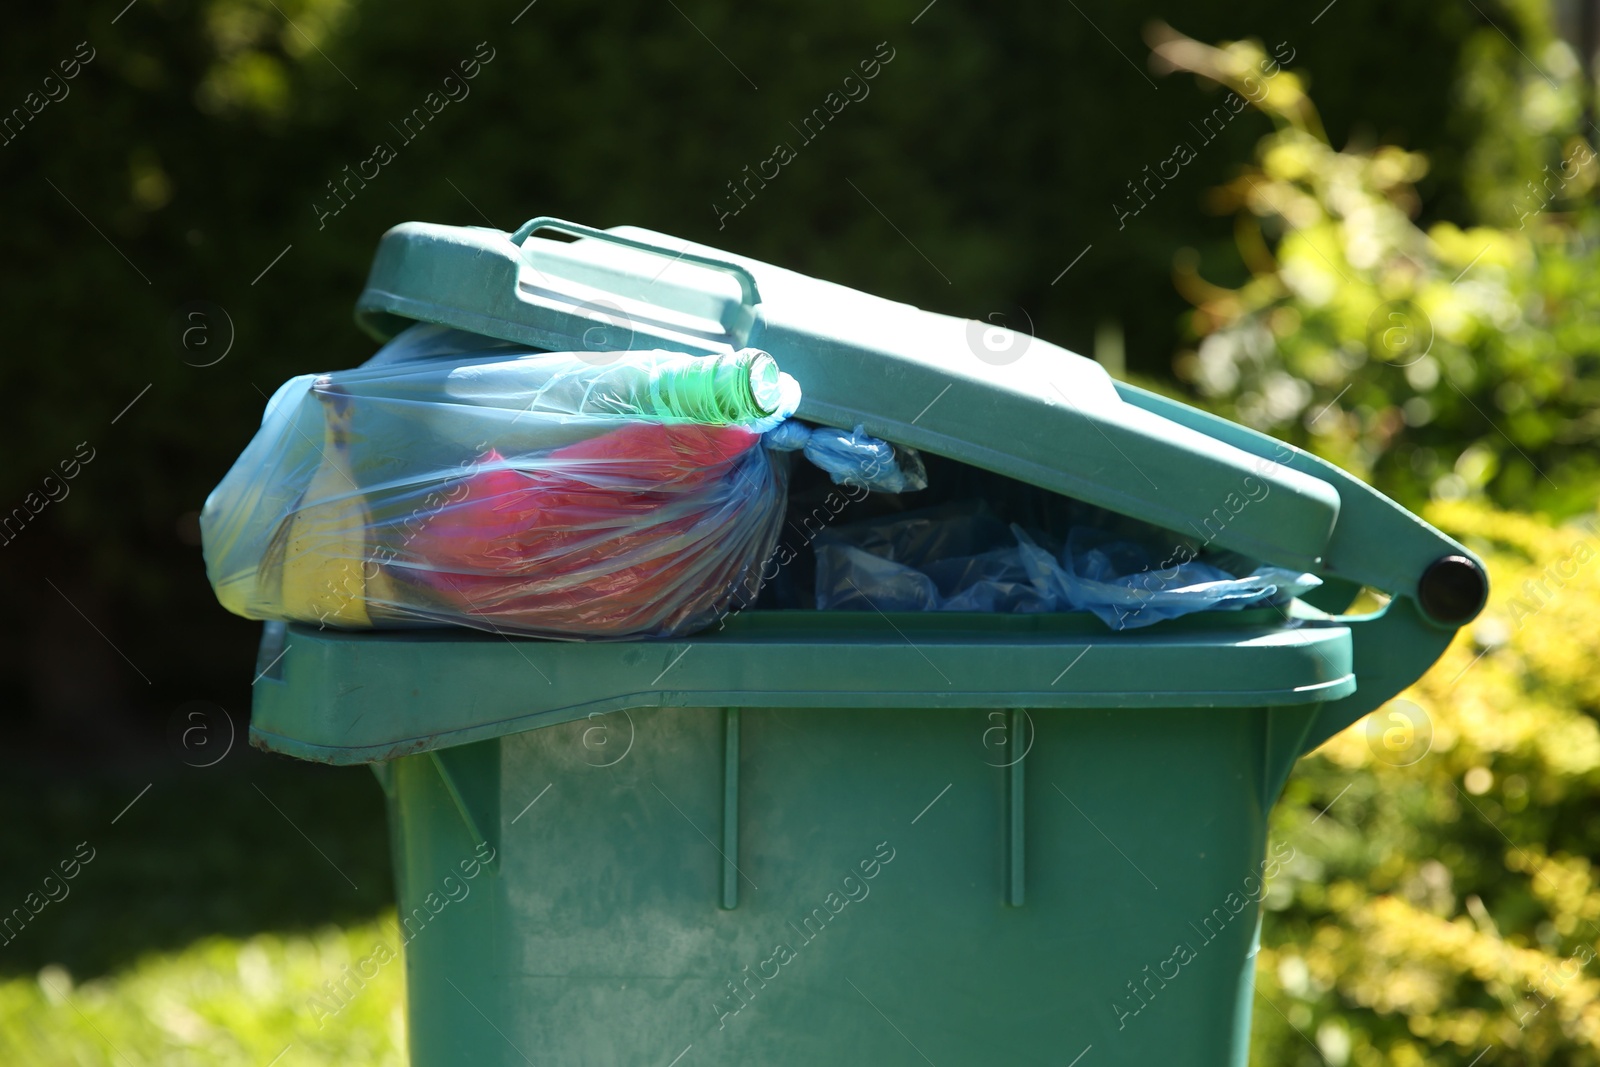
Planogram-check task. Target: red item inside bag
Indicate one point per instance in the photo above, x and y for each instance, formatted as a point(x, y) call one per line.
point(619, 534)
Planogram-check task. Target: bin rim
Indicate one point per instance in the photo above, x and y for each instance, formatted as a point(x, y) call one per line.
point(343, 697)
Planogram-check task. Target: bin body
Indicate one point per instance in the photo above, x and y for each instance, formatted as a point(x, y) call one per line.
point(598, 937)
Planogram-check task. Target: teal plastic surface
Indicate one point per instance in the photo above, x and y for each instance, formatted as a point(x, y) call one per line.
point(875, 857)
point(818, 838)
point(343, 697)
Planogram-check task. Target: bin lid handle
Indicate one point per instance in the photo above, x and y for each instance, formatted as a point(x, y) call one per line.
point(748, 291)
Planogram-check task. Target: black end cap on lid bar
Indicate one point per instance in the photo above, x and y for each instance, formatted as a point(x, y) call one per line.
point(1453, 590)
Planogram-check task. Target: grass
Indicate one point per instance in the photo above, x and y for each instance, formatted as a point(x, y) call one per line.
point(217, 903)
point(220, 1001)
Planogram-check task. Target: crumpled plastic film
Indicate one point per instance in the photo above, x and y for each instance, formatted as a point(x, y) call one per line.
point(963, 558)
point(852, 457)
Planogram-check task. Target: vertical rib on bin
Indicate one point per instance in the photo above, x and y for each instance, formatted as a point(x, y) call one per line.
point(1016, 752)
point(730, 808)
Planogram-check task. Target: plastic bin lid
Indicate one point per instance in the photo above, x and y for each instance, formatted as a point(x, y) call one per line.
point(983, 395)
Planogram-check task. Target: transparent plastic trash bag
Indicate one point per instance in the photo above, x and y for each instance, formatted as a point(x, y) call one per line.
point(566, 495)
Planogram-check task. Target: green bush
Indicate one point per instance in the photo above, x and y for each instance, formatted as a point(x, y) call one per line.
point(1443, 906)
point(1438, 362)
point(1444, 899)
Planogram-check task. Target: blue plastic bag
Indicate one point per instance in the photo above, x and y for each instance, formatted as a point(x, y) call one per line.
point(963, 558)
point(851, 457)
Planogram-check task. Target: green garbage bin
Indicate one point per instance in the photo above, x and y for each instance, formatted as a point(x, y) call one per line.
point(857, 837)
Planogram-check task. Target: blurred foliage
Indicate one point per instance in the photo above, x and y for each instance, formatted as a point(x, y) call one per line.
point(1451, 905)
point(1444, 905)
point(220, 1002)
point(1439, 361)
point(154, 954)
point(205, 850)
